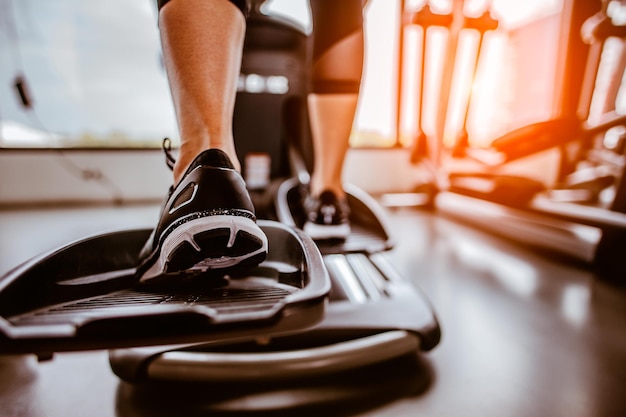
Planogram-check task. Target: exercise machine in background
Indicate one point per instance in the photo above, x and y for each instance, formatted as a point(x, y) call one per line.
point(581, 213)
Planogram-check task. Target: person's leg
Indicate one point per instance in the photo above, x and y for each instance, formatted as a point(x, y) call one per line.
point(208, 219)
point(202, 42)
point(338, 48)
point(336, 77)
point(331, 123)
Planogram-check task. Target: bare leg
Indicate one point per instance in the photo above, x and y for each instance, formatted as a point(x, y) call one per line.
point(337, 65)
point(208, 219)
point(332, 112)
point(202, 45)
point(331, 116)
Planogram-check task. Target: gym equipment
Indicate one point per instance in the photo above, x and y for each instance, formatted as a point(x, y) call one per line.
point(86, 296)
point(369, 232)
point(275, 317)
point(424, 18)
point(373, 313)
point(482, 24)
point(583, 214)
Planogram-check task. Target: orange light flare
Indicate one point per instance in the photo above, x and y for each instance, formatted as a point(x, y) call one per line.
point(482, 91)
point(487, 92)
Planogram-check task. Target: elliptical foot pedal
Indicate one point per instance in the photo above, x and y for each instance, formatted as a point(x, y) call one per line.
point(86, 296)
point(373, 316)
point(369, 232)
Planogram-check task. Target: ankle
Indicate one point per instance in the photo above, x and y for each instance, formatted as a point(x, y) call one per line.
point(183, 161)
point(317, 188)
point(187, 154)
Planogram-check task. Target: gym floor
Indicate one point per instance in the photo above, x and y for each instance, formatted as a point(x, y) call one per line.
point(523, 334)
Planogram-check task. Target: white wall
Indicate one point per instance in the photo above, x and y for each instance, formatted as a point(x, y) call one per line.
point(53, 177)
point(34, 177)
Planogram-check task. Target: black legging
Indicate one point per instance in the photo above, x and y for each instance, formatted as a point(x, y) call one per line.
point(333, 21)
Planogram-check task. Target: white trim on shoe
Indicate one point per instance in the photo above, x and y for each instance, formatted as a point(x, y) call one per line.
point(186, 232)
point(324, 231)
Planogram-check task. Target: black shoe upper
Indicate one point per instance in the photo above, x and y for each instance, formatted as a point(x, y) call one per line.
point(327, 209)
point(210, 186)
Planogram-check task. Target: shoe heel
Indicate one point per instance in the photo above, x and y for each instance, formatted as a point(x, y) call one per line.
point(213, 242)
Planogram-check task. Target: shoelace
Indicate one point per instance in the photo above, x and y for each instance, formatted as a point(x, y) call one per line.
point(167, 149)
point(328, 212)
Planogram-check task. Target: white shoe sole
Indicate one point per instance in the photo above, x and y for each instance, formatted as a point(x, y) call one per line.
point(187, 232)
point(318, 231)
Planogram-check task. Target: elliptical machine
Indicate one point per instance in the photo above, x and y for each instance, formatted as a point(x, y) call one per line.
point(374, 314)
point(277, 313)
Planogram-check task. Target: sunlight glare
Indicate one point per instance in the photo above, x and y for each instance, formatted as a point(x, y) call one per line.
point(486, 95)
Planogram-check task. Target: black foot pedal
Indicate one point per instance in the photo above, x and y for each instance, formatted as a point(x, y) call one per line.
point(86, 296)
point(369, 231)
point(373, 316)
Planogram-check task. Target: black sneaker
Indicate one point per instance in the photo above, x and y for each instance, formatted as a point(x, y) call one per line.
point(327, 217)
point(207, 222)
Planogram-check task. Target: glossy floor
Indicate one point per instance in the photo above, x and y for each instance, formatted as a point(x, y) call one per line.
point(523, 335)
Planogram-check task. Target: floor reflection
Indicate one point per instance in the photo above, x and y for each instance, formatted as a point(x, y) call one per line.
point(339, 394)
point(18, 379)
point(548, 342)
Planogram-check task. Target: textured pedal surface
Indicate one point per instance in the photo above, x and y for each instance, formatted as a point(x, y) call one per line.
point(245, 296)
point(86, 295)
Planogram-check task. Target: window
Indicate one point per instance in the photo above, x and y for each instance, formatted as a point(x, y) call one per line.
point(91, 74)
